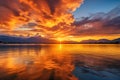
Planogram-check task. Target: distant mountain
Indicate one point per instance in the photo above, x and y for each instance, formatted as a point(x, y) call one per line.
point(34, 39)
point(101, 41)
point(5, 39)
point(116, 41)
point(88, 41)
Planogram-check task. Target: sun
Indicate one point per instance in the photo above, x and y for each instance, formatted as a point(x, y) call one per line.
point(60, 40)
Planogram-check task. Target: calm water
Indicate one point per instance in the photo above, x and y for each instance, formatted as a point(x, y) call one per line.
point(60, 62)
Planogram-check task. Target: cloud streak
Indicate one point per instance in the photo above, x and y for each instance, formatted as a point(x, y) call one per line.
point(99, 24)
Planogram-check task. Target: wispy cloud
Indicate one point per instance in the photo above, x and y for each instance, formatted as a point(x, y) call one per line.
point(99, 24)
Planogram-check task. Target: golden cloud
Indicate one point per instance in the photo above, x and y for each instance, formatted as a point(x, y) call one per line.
point(50, 16)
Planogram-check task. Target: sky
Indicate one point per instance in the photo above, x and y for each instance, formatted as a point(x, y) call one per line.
point(93, 6)
point(61, 20)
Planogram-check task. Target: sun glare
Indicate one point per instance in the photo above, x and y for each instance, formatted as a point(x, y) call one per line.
point(60, 40)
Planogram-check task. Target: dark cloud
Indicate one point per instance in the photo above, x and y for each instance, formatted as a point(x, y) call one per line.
point(98, 24)
point(115, 23)
point(86, 20)
point(53, 4)
point(12, 5)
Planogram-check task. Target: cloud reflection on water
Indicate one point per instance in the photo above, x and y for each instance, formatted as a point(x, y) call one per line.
point(57, 62)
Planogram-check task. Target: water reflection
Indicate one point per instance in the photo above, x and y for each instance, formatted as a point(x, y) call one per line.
point(59, 62)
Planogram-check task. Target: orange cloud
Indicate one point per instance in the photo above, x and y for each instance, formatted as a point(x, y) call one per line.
point(49, 15)
point(51, 19)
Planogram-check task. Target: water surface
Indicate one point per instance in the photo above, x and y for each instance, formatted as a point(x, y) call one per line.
point(60, 62)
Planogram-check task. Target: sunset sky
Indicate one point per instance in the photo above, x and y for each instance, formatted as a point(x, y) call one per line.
point(61, 19)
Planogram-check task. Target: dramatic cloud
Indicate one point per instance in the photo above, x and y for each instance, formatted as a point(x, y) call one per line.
point(99, 24)
point(46, 17)
point(46, 13)
point(54, 19)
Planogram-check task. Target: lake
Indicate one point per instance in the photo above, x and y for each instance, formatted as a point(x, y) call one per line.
point(60, 62)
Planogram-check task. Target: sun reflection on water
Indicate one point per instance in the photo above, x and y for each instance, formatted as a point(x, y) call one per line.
point(54, 61)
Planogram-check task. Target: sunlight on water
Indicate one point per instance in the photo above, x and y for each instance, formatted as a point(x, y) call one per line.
point(60, 62)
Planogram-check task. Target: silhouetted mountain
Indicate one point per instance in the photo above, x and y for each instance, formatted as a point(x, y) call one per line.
point(101, 41)
point(38, 39)
point(88, 41)
point(34, 39)
point(116, 41)
point(92, 41)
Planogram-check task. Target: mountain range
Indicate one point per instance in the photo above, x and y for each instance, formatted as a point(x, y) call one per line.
point(38, 39)
point(101, 41)
point(33, 39)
